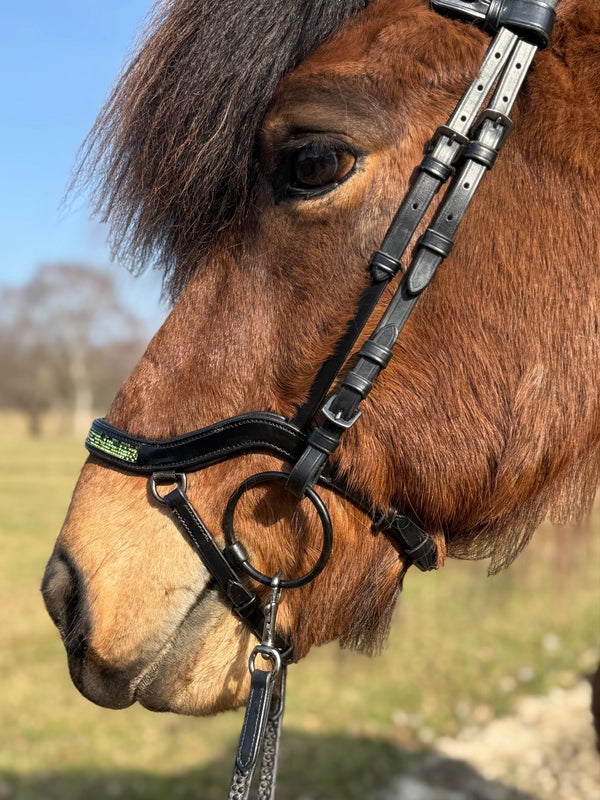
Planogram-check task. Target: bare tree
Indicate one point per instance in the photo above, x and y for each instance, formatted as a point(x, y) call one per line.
point(54, 332)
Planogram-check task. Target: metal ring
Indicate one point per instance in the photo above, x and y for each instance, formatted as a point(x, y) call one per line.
point(167, 478)
point(260, 479)
point(270, 653)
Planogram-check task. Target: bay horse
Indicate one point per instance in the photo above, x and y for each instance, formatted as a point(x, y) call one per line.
point(257, 155)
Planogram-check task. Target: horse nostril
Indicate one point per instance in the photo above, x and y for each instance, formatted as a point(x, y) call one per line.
point(62, 590)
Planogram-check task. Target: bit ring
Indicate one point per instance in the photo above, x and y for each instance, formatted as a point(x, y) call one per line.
point(260, 479)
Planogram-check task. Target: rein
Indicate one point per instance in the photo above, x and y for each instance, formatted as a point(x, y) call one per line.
point(464, 149)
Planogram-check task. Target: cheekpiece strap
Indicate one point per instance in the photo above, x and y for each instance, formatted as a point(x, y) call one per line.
point(243, 601)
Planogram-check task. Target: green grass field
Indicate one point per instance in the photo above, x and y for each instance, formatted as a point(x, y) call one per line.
point(463, 647)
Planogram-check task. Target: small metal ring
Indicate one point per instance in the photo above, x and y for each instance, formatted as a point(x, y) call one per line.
point(167, 478)
point(260, 479)
point(270, 653)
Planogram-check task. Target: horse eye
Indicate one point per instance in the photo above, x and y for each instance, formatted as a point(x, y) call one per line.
point(315, 166)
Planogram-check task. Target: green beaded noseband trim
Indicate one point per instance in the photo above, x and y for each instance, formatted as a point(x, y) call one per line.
point(113, 447)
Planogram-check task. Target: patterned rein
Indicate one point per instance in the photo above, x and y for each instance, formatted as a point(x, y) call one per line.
point(463, 149)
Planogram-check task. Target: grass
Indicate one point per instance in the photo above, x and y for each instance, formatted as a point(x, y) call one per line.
point(462, 649)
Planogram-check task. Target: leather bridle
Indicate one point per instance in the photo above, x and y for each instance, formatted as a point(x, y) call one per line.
point(463, 149)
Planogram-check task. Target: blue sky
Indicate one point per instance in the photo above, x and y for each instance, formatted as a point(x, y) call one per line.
point(58, 61)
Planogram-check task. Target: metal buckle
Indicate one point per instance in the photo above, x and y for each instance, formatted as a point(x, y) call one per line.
point(450, 134)
point(498, 118)
point(337, 419)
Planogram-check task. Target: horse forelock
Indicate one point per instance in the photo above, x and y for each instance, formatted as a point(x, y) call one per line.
point(169, 159)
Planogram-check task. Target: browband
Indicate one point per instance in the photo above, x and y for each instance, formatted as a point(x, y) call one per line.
point(261, 430)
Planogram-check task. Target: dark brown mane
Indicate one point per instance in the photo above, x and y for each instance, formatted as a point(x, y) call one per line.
point(169, 157)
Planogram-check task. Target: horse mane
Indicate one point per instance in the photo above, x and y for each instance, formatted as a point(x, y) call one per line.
point(169, 159)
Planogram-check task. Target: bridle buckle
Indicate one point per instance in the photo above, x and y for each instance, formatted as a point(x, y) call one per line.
point(444, 131)
point(336, 417)
point(498, 118)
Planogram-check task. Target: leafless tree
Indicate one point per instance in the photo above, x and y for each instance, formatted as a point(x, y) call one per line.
point(60, 334)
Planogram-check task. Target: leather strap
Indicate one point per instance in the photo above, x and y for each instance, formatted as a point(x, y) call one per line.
point(261, 731)
point(380, 277)
point(445, 148)
point(270, 757)
point(245, 433)
point(243, 602)
point(489, 132)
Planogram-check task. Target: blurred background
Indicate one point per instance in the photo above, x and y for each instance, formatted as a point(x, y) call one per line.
point(465, 650)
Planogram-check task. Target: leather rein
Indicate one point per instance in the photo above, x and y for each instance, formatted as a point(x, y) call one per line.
point(463, 149)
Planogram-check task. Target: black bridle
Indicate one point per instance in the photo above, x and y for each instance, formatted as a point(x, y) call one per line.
point(464, 149)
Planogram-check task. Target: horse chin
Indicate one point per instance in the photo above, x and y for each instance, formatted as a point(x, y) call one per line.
point(204, 669)
point(200, 669)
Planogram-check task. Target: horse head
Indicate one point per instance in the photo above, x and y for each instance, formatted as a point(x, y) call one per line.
point(262, 184)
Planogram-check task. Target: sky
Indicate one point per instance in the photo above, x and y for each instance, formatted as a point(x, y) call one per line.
point(58, 61)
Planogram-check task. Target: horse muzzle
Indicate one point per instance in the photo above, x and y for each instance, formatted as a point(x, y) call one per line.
point(64, 594)
point(154, 670)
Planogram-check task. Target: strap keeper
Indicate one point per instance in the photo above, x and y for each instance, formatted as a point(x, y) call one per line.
point(481, 154)
point(498, 118)
point(436, 242)
point(360, 385)
point(384, 266)
point(241, 601)
point(436, 168)
point(326, 444)
point(377, 353)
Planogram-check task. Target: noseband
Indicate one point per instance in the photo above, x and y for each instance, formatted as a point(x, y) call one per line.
point(464, 149)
